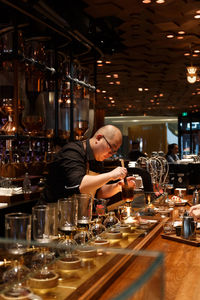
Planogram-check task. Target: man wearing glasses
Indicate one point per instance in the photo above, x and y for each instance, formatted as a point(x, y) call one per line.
point(74, 166)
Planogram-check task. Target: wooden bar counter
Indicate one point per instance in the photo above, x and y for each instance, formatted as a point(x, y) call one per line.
point(181, 272)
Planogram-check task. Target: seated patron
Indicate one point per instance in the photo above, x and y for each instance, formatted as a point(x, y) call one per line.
point(135, 152)
point(171, 155)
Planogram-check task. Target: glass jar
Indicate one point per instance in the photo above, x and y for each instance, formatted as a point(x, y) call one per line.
point(110, 220)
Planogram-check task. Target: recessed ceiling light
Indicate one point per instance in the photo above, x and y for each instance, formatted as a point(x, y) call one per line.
point(170, 36)
point(198, 12)
point(160, 1)
point(111, 82)
point(118, 82)
point(195, 55)
point(146, 89)
point(187, 54)
point(104, 92)
point(108, 62)
point(197, 16)
point(181, 32)
point(146, 1)
point(113, 101)
point(180, 37)
point(161, 95)
point(98, 91)
point(110, 98)
point(196, 51)
point(140, 89)
point(108, 76)
point(100, 65)
point(99, 61)
point(115, 75)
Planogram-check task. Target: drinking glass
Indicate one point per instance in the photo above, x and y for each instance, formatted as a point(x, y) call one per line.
point(84, 208)
point(18, 228)
point(44, 222)
point(127, 193)
point(67, 214)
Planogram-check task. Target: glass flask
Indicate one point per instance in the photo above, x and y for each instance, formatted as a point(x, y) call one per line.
point(16, 276)
point(82, 236)
point(110, 220)
point(97, 228)
point(66, 247)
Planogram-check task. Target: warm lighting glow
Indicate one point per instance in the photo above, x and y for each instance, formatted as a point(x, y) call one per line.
point(111, 82)
point(187, 54)
point(108, 76)
point(98, 91)
point(108, 62)
point(100, 65)
point(170, 36)
point(104, 92)
point(99, 61)
point(115, 75)
point(197, 17)
point(161, 95)
point(180, 37)
point(110, 98)
point(191, 78)
point(118, 82)
point(140, 89)
point(191, 70)
point(113, 101)
point(160, 1)
point(146, 1)
point(181, 32)
point(196, 51)
point(146, 89)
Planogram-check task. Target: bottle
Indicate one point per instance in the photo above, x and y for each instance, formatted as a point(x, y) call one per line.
point(26, 187)
point(195, 198)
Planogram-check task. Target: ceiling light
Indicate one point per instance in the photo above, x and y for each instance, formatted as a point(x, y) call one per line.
point(98, 91)
point(111, 82)
point(110, 98)
point(161, 95)
point(99, 61)
point(108, 62)
point(146, 89)
point(160, 1)
point(180, 37)
point(170, 36)
point(195, 55)
point(103, 92)
point(196, 51)
point(197, 16)
point(100, 65)
point(191, 78)
point(118, 82)
point(146, 1)
point(115, 75)
point(181, 32)
point(192, 70)
point(113, 101)
point(108, 76)
point(140, 89)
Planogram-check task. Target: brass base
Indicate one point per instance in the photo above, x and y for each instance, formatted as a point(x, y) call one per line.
point(113, 235)
point(101, 243)
point(87, 252)
point(125, 228)
point(67, 264)
point(16, 295)
point(43, 283)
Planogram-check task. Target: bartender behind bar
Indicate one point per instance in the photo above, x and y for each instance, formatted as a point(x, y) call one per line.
point(76, 167)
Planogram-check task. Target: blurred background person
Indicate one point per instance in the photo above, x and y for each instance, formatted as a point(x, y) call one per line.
point(135, 152)
point(172, 154)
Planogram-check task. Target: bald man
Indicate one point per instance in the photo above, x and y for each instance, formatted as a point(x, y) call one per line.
point(74, 168)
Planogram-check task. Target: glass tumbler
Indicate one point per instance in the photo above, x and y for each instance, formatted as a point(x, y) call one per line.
point(45, 222)
point(84, 208)
point(18, 228)
point(67, 214)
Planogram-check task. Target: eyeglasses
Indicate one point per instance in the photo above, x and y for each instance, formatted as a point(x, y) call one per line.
point(111, 148)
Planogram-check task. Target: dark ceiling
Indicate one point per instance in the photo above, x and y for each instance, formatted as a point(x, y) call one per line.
point(132, 36)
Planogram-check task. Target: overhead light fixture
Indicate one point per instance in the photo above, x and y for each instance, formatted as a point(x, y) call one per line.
point(191, 78)
point(191, 74)
point(170, 36)
point(160, 1)
point(108, 76)
point(192, 70)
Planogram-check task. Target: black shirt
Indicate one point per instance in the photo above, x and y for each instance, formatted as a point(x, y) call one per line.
point(67, 170)
point(133, 155)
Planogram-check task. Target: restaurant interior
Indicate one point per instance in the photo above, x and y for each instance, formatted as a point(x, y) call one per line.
point(68, 68)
